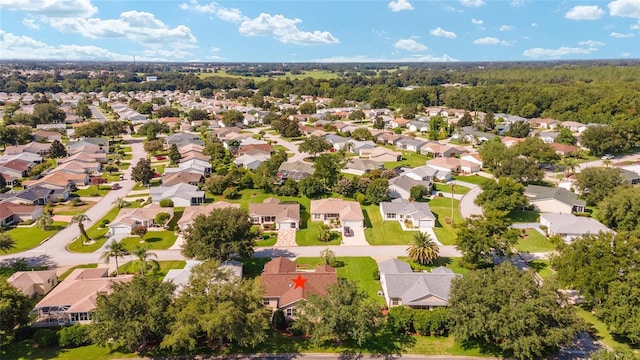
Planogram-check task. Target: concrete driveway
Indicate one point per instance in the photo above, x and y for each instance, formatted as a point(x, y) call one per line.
point(358, 238)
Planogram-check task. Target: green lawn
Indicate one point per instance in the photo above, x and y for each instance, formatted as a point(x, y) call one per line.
point(308, 233)
point(472, 179)
point(526, 216)
point(132, 268)
point(534, 242)
point(160, 168)
point(152, 183)
point(380, 232)
point(542, 268)
point(268, 239)
point(26, 349)
point(409, 159)
point(600, 331)
point(360, 270)
point(177, 214)
point(154, 240)
point(68, 208)
point(458, 189)
point(448, 262)
point(93, 190)
point(112, 177)
point(441, 208)
point(29, 237)
point(96, 233)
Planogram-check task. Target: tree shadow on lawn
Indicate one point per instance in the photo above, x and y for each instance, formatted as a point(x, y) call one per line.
point(386, 344)
point(367, 220)
point(537, 265)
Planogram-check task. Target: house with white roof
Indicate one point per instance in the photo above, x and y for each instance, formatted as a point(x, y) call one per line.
point(180, 194)
point(570, 226)
point(416, 214)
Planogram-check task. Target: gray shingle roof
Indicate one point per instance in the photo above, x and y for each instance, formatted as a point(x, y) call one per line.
point(536, 192)
point(417, 210)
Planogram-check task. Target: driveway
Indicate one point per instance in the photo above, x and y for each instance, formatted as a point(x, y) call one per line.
point(358, 238)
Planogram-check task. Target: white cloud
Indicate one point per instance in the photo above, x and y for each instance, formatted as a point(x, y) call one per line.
point(472, 3)
point(519, 3)
point(194, 6)
point(444, 33)
point(284, 30)
point(52, 8)
point(490, 41)
point(226, 14)
point(506, 28)
point(625, 8)
point(635, 26)
point(584, 12)
point(618, 35)
point(400, 5)
point(30, 23)
point(24, 47)
point(533, 24)
point(591, 43)
point(477, 21)
point(409, 45)
point(555, 53)
point(363, 58)
point(625, 54)
point(231, 15)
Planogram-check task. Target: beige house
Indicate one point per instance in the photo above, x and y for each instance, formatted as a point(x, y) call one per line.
point(128, 219)
point(74, 299)
point(554, 200)
point(381, 154)
point(34, 283)
point(348, 213)
point(284, 215)
point(192, 212)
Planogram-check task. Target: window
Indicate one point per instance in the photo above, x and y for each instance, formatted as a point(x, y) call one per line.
point(395, 302)
point(255, 219)
point(317, 216)
point(265, 301)
point(391, 216)
point(291, 311)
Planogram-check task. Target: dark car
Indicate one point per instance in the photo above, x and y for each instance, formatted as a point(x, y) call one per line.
point(348, 231)
point(116, 186)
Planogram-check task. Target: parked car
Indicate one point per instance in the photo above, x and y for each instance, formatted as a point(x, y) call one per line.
point(348, 231)
point(116, 186)
point(607, 157)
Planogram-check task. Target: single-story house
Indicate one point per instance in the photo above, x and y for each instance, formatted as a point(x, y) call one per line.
point(59, 180)
point(400, 186)
point(79, 167)
point(296, 170)
point(564, 149)
point(11, 213)
point(180, 194)
point(454, 165)
point(191, 212)
point(44, 135)
point(180, 277)
point(34, 283)
point(35, 195)
point(418, 290)
point(421, 173)
point(348, 213)
point(410, 144)
point(128, 219)
point(360, 167)
point(435, 149)
point(356, 146)
point(16, 168)
point(629, 176)
point(381, 154)
point(182, 177)
point(388, 138)
point(510, 141)
point(285, 215)
point(554, 200)
point(418, 126)
point(574, 126)
point(285, 286)
point(41, 149)
point(192, 165)
point(74, 299)
point(569, 226)
point(416, 214)
point(251, 161)
point(338, 142)
point(547, 123)
point(548, 137)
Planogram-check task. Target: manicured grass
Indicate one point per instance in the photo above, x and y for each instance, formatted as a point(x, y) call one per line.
point(160, 168)
point(448, 262)
point(177, 215)
point(472, 179)
point(93, 190)
point(458, 189)
point(29, 237)
point(534, 242)
point(441, 208)
point(26, 349)
point(524, 216)
point(124, 166)
point(83, 266)
point(409, 159)
point(112, 177)
point(380, 232)
point(600, 331)
point(152, 183)
point(268, 239)
point(68, 208)
point(542, 268)
point(133, 268)
point(308, 233)
point(95, 233)
point(360, 270)
point(154, 240)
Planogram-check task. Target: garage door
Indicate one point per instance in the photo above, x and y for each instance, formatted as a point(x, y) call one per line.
point(120, 230)
point(356, 224)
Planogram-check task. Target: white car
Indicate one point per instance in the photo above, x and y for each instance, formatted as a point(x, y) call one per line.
point(607, 157)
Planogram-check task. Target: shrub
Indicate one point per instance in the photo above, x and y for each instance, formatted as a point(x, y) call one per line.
point(105, 222)
point(45, 338)
point(296, 332)
point(95, 194)
point(166, 203)
point(74, 336)
point(401, 319)
point(361, 198)
point(23, 333)
point(230, 193)
point(434, 322)
point(278, 320)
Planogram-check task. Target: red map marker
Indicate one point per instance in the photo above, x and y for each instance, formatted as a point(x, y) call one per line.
point(299, 281)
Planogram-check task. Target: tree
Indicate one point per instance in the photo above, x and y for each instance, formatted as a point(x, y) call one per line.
point(286, 127)
point(14, 307)
point(328, 255)
point(134, 315)
point(489, 120)
point(222, 233)
point(422, 249)
point(92, 129)
point(493, 153)
point(344, 313)
point(603, 139)
point(153, 146)
point(44, 221)
point(566, 137)
point(142, 171)
point(3, 183)
point(162, 218)
point(597, 183)
point(232, 117)
point(378, 123)
point(314, 145)
point(480, 238)
point(57, 150)
point(83, 110)
point(114, 250)
point(621, 309)
point(378, 191)
point(418, 192)
point(519, 129)
point(233, 313)
point(151, 129)
point(465, 120)
point(344, 187)
point(520, 168)
point(139, 230)
point(307, 108)
point(535, 148)
point(197, 115)
point(324, 233)
point(619, 353)
point(144, 259)
point(145, 108)
point(361, 134)
point(506, 308)
point(502, 195)
point(174, 154)
point(6, 242)
point(621, 210)
point(120, 203)
point(327, 168)
point(216, 184)
point(357, 115)
point(113, 128)
point(80, 219)
point(312, 186)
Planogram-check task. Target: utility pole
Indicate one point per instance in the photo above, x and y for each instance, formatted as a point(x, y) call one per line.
point(452, 186)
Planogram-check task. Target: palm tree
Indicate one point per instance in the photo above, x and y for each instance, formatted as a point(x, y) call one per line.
point(422, 249)
point(44, 222)
point(80, 219)
point(6, 242)
point(113, 250)
point(144, 260)
point(328, 255)
point(119, 202)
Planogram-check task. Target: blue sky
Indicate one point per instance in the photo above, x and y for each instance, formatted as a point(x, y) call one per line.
point(319, 30)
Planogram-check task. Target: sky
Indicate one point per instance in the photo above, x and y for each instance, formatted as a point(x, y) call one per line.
point(319, 30)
